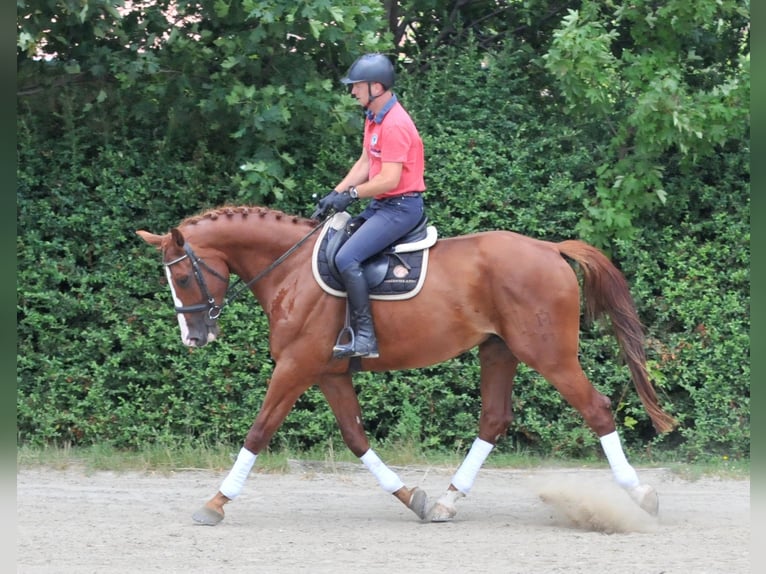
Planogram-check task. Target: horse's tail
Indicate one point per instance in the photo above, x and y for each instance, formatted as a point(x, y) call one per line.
point(605, 291)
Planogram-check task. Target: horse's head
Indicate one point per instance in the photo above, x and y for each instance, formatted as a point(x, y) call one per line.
point(198, 285)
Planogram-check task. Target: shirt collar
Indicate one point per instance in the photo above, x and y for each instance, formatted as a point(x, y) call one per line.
point(378, 118)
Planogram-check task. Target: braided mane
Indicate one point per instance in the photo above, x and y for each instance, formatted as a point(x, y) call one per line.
point(244, 211)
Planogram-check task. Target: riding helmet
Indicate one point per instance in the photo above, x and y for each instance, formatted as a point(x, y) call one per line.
point(371, 68)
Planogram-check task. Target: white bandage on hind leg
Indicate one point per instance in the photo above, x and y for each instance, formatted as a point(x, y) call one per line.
point(235, 480)
point(624, 474)
point(466, 474)
point(387, 478)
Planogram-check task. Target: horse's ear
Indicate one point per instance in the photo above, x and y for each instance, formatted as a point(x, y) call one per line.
point(150, 238)
point(177, 237)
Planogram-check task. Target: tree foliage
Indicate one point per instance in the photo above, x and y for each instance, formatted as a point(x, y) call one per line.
point(666, 85)
point(247, 80)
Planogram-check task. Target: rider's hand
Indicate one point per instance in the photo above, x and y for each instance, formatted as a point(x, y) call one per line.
point(341, 200)
point(324, 205)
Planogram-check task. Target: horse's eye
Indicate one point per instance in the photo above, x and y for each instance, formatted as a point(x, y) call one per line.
point(183, 281)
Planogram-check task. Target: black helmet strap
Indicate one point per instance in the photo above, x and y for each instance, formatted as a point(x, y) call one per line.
point(369, 92)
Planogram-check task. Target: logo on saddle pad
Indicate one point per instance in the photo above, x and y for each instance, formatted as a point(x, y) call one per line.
point(398, 272)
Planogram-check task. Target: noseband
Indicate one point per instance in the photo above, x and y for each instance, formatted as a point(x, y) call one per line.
point(213, 310)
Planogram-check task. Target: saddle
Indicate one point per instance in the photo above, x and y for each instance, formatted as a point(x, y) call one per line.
point(397, 272)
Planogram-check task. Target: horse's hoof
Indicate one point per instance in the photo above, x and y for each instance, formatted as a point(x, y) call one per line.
point(444, 510)
point(646, 497)
point(441, 513)
point(207, 516)
point(418, 501)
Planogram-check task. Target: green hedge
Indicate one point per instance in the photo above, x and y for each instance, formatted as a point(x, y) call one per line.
point(98, 350)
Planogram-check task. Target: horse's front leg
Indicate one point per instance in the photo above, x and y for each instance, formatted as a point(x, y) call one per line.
point(340, 395)
point(498, 368)
point(284, 389)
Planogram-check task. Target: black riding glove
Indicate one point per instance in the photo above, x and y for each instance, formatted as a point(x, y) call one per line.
point(340, 201)
point(324, 205)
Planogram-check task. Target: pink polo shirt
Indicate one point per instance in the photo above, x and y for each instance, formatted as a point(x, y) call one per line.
point(396, 139)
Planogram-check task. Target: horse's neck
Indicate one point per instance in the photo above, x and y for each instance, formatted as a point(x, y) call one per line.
point(255, 251)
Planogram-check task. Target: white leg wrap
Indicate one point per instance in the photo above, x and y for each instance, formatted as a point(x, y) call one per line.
point(233, 483)
point(387, 478)
point(624, 474)
point(466, 474)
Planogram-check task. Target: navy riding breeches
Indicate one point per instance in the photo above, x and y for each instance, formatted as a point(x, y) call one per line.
point(386, 220)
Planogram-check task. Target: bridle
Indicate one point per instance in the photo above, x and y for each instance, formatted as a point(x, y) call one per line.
point(213, 309)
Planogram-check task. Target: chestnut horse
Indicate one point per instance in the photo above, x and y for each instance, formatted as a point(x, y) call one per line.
point(515, 297)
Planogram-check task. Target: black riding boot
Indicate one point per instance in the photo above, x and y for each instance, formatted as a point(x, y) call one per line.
point(363, 342)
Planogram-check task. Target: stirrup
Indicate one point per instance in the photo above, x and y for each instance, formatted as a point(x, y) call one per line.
point(343, 350)
point(346, 350)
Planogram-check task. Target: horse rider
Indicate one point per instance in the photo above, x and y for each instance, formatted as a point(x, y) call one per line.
point(390, 171)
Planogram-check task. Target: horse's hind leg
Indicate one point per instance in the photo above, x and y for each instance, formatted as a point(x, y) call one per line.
point(570, 380)
point(498, 368)
point(340, 395)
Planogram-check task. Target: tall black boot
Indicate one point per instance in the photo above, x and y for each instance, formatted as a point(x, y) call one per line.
point(363, 342)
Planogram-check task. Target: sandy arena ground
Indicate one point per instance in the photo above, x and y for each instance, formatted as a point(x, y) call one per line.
point(318, 519)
